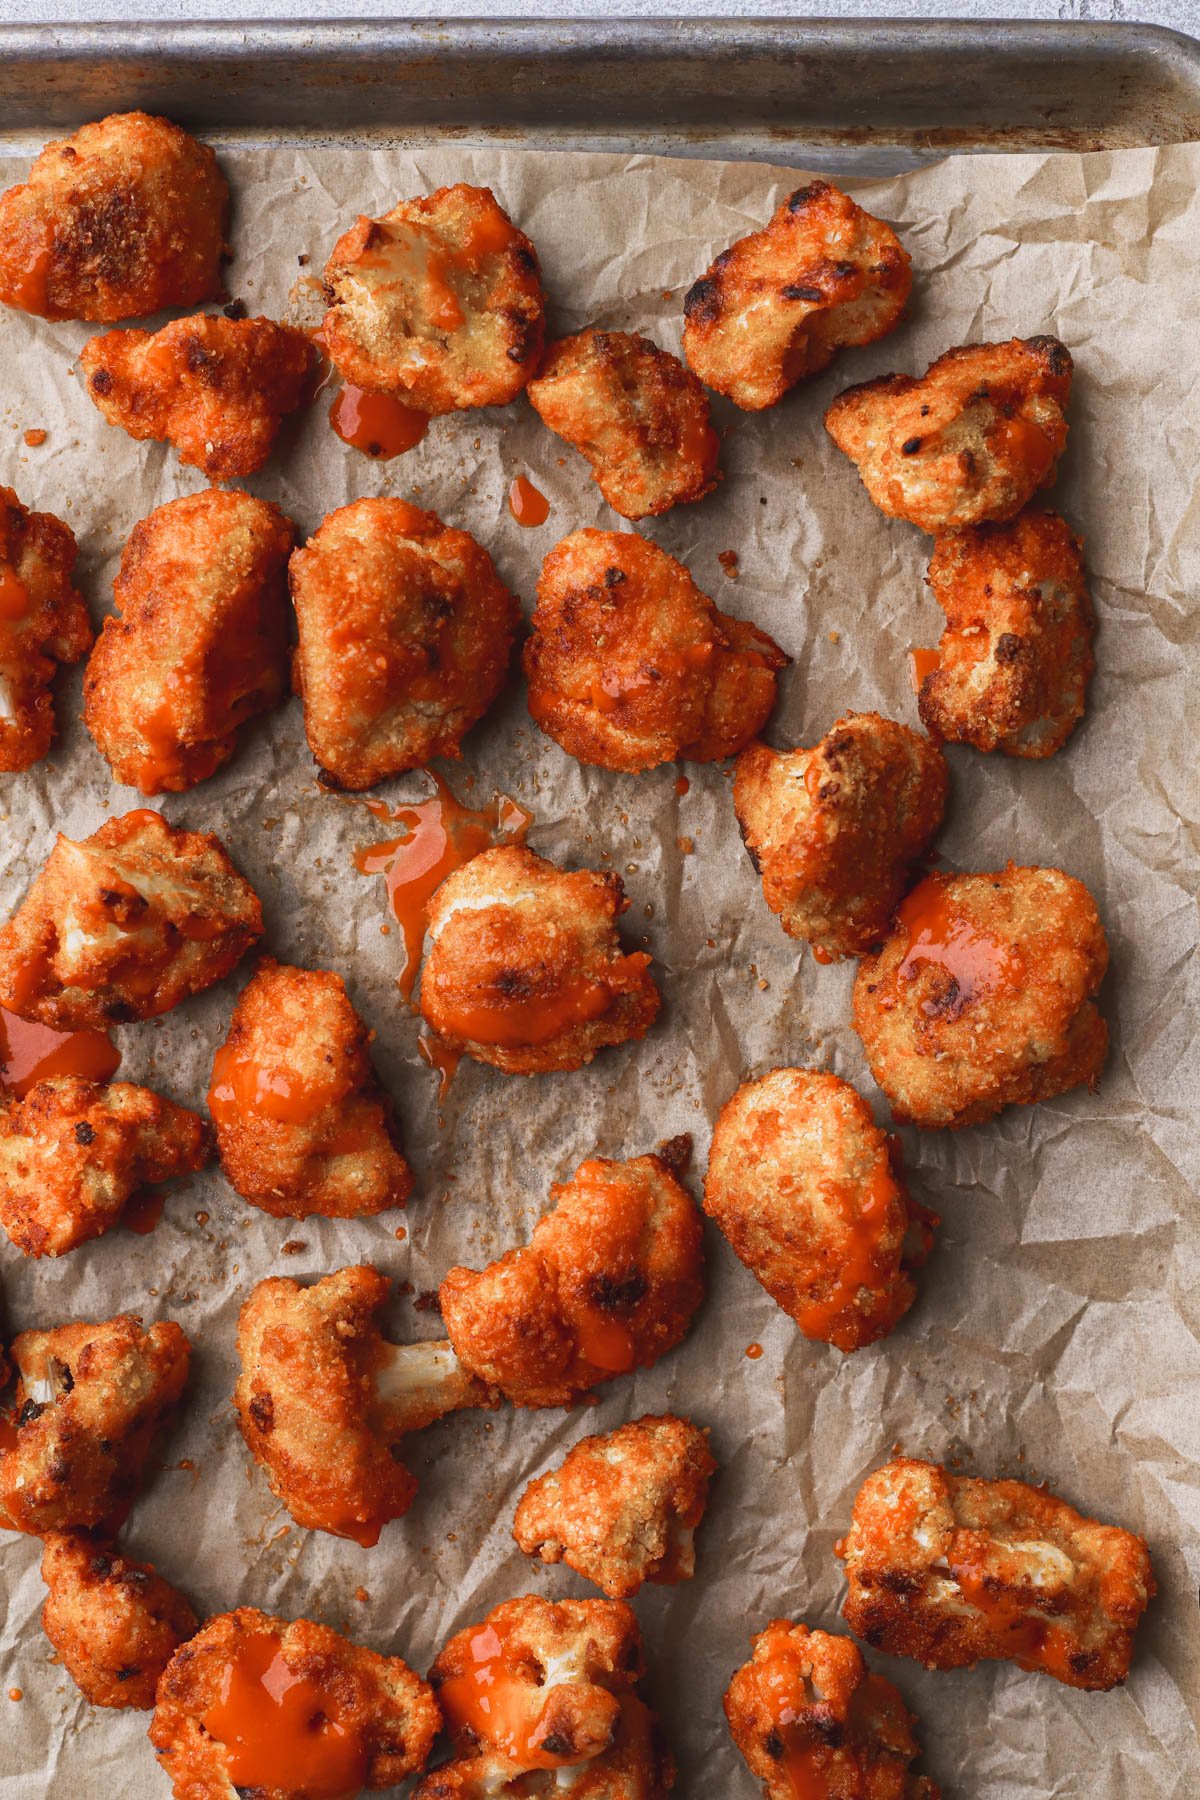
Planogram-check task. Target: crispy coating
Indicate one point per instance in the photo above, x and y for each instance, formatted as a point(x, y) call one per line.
point(608, 1283)
point(124, 217)
point(811, 1720)
point(778, 305)
point(91, 1401)
point(216, 388)
point(541, 1698)
point(43, 622)
point(622, 1509)
point(438, 302)
point(525, 970)
point(125, 924)
point(1016, 655)
point(198, 644)
point(983, 996)
point(302, 1124)
point(630, 665)
point(635, 413)
point(406, 635)
point(972, 440)
point(806, 1188)
point(115, 1624)
point(951, 1570)
point(72, 1152)
point(324, 1402)
point(334, 1713)
point(834, 831)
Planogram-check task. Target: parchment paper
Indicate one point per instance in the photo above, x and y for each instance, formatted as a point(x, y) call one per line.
point(1056, 1332)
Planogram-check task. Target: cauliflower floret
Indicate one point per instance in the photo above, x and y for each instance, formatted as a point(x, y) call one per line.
point(72, 1152)
point(43, 623)
point(622, 1509)
point(951, 1569)
point(115, 1624)
point(608, 1283)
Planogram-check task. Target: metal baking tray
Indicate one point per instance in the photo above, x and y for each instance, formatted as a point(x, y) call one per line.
point(867, 96)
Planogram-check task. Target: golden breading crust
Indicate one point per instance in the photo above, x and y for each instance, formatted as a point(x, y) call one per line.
point(1016, 655)
point(811, 1721)
point(125, 924)
point(971, 441)
point(406, 635)
point(216, 388)
point(525, 970)
point(777, 305)
point(302, 1125)
point(622, 1509)
point(115, 1624)
point(806, 1188)
point(635, 413)
point(43, 622)
point(608, 1283)
point(124, 217)
point(951, 1570)
point(91, 1400)
point(834, 831)
point(983, 996)
point(324, 1401)
point(72, 1152)
point(198, 644)
point(439, 302)
point(540, 1686)
point(284, 1709)
point(630, 665)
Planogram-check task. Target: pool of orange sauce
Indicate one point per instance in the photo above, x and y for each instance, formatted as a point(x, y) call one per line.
point(441, 1057)
point(30, 1053)
point(511, 1024)
point(143, 1210)
point(14, 595)
point(281, 1730)
point(242, 1088)
point(1032, 1643)
point(498, 1705)
point(977, 961)
point(527, 504)
point(377, 424)
point(864, 1216)
point(682, 784)
point(32, 289)
point(922, 663)
point(821, 955)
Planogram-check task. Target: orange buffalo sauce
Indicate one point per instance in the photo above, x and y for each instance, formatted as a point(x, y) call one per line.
point(977, 961)
point(438, 835)
point(377, 424)
point(499, 1706)
point(921, 664)
point(783, 1681)
point(754, 1351)
point(14, 595)
point(30, 1053)
point(243, 1088)
point(616, 687)
point(31, 292)
point(499, 1019)
point(143, 1211)
point(865, 1211)
point(441, 1057)
point(282, 1730)
point(1031, 1641)
point(604, 1342)
point(8, 1433)
point(527, 504)
point(682, 784)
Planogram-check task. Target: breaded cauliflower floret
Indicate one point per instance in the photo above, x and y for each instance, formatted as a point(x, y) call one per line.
point(406, 634)
point(124, 217)
point(983, 996)
point(216, 388)
point(438, 302)
point(635, 413)
point(125, 924)
point(115, 1624)
point(324, 1401)
point(542, 1698)
point(1016, 655)
point(608, 1283)
point(971, 441)
point(43, 623)
point(91, 1401)
point(302, 1125)
point(622, 1509)
point(198, 644)
point(811, 1720)
point(630, 664)
point(525, 969)
point(72, 1152)
point(804, 1185)
point(284, 1710)
point(777, 305)
point(834, 831)
point(952, 1570)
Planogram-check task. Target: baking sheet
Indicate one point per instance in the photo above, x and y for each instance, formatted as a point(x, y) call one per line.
point(1055, 1335)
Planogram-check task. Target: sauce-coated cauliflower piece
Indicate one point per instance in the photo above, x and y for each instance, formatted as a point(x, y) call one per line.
point(777, 305)
point(43, 624)
point(834, 831)
point(608, 1283)
point(983, 996)
point(950, 1570)
point(125, 924)
point(115, 1624)
point(622, 1509)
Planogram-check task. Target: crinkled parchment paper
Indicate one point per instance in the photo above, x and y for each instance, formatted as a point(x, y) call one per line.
point(1056, 1332)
